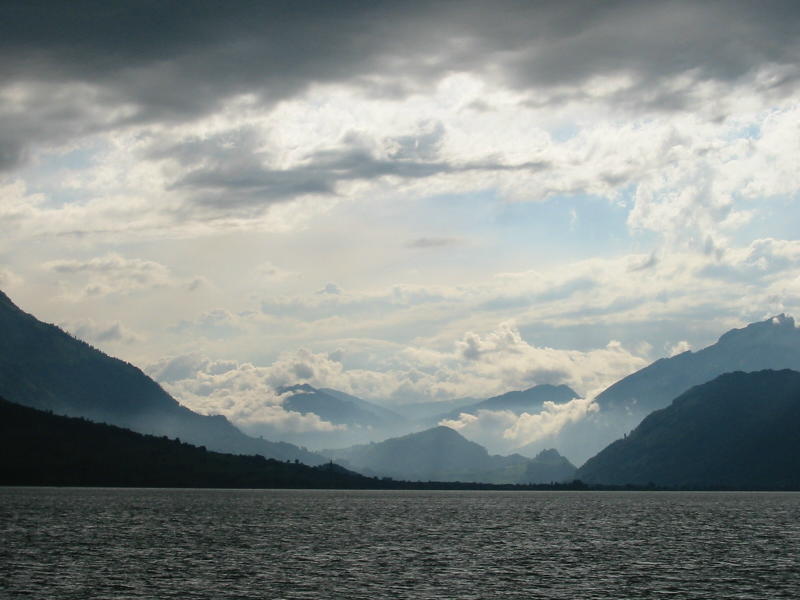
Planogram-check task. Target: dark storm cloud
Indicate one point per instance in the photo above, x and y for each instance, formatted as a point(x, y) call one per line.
point(232, 169)
point(173, 61)
point(11, 154)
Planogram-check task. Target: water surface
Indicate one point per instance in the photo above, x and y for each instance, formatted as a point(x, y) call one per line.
point(137, 543)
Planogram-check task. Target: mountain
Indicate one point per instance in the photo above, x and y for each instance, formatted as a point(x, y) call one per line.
point(356, 421)
point(379, 411)
point(425, 411)
point(436, 454)
point(531, 401)
point(337, 407)
point(741, 430)
point(39, 448)
point(43, 367)
point(770, 344)
point(548, 467)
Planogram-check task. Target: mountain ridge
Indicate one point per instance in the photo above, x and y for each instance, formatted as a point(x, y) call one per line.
point(42, 448)
point(44, 367)
point(436, 454)
point(773, 343)
point(334, 406)
point(530, 400)
point(739, 430)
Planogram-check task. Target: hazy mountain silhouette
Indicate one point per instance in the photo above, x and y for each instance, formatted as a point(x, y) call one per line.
point(770, 344)
point(337, 407)
point(427, 412)
point(530, 401)
point(357, 421)
point(548, 466)
point(43, 367)
point(39, 448)
point(437, 454)
point(739, 430)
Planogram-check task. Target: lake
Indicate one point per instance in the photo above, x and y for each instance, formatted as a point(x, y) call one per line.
point(159, 543)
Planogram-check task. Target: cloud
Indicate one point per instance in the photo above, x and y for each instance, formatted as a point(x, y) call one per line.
point(245, 394)
point(504, 355)
point(331, 289)
point(8, 279)
point(91, 331)
point(549, 422)
point(643, 263)
point(503, 431)
point(69, 75)
point(216, 323)
point(486, 427)
point(114, 274)
point(504, 362)
point(264, 150)
point(679, 348)
point(433, 242)
point(208, 52)
point(271, 272)
point(111, 274)
point(186, 366)
point(243, 161)
point(331, 301)
point(237, 171)
point(17, 204)
point(558, 290)
point(761, 259)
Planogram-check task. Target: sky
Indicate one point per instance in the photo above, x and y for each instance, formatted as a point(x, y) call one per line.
point(404, 201)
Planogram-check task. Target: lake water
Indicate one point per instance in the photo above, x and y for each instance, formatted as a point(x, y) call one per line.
point(136, 543)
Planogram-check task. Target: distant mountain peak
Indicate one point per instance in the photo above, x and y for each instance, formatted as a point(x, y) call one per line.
point(550, 386)
point(297, 388)
point(778, 327)
point(439, 433)
point(436, 454)
point(530, 400)
point(548, 466)
point(783, 319)
point(444, 430)
point(548, 453)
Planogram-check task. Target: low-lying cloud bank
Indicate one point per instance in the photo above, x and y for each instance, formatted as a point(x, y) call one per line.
point(503, 431)
point(245, 394)
point(477, 366)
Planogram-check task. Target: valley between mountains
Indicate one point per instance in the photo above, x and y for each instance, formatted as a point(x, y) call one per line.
point(724, 417)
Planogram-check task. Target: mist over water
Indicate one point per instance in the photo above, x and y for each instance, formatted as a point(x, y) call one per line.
point(114, 543)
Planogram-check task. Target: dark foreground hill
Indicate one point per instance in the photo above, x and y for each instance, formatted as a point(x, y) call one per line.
point(43, 367)
point(40, 448)
point(741, 430)
point(770, 344)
